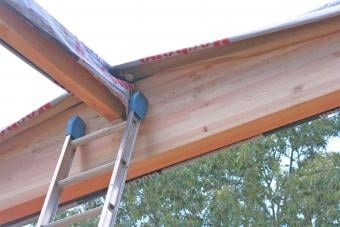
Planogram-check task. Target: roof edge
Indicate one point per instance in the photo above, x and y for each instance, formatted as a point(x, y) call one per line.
point(129, 69)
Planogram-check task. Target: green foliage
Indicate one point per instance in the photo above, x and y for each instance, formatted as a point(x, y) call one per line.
point(285, 179)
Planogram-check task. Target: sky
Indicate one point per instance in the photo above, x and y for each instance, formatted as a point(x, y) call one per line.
point(125, 30)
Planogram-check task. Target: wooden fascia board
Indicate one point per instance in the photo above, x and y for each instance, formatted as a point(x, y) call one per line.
point(40, 115)
point(194, 109)
point(268, 39)
point(194, 150)
point(57, 63)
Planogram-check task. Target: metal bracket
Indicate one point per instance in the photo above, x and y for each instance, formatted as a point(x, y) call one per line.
point(120, 75)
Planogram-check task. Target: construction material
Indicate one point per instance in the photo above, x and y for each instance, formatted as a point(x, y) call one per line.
point(39, 115)
point(76, 130)
point(153, 64)
point(252, 87)
point(136, 70)
point(194, 109)
point(54, 51)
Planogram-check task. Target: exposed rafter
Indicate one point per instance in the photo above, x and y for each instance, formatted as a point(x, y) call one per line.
point(258, 85)
point(44, 53)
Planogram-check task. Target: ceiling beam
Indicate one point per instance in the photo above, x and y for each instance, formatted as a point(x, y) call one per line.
point(54, 61)
point(194, 109)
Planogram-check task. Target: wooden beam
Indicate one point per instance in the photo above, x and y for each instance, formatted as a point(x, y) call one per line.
point(56, 62)
point(42, 114)
point(236, 47)
point(194, 109)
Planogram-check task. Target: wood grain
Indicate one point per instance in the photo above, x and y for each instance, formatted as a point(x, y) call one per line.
point(65, 104)
point(57, 63)
point(194, 109)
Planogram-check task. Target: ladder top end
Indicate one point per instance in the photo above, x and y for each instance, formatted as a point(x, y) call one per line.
point(75, 127)
point(138, 104)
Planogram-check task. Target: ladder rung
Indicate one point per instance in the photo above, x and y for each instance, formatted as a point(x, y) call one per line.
point(86, 174)
point(92, 213)
point(97, 134)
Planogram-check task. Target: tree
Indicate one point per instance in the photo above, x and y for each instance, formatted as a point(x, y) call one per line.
point(285, 179)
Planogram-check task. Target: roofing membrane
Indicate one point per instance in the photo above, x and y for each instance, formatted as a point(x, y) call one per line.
point(32, 13)
point(35, 15)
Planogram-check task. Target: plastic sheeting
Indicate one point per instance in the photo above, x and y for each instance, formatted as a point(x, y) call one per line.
point(150, 65)
point(32, 115)
point(99, 68)
point(45, 23)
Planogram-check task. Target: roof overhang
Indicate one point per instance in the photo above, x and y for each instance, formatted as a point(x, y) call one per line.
point(201, 99)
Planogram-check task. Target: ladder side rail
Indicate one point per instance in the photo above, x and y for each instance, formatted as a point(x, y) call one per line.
point(117, 181)
point(54, 191)
point(138, 106)
point(75, 129)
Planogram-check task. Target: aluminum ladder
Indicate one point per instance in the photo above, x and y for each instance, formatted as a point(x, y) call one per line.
point(75, 137)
